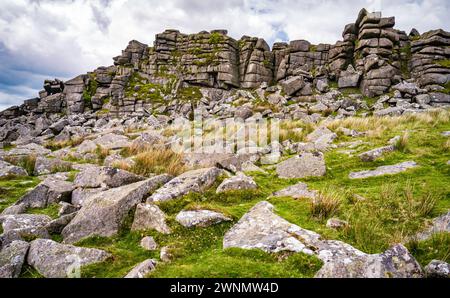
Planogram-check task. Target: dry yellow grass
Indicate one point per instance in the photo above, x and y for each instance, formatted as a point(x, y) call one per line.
point(55, 145)
point(158, 162)
point(326, 204)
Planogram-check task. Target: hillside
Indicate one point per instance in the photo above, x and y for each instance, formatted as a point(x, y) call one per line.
point(206, 156)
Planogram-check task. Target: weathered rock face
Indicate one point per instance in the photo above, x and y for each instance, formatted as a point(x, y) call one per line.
point(192, 181)
point(94, 177)
point(7, 170)
point(150, 217)
point(12, 257)
point(297, 191)
point(304, 165)
point(437, 269)
point(55, 260)
point(238, 182)
point(105, 212)
point(200, 218)
point(261, 229)
point(142, 269)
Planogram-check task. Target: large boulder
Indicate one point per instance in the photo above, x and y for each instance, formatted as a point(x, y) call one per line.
point(303, 165)
point(200, 218)
point(94, 177)
point(192, 181)
point(109, 141)
point(293, 85)
point(104, 213)
point(149, 217)
point(349, 78)
point(55, 260)
point(12, 258)
point(23, 227)
point(261, 228)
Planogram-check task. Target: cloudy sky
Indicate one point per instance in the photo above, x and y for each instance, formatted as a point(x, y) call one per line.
point(42, 39)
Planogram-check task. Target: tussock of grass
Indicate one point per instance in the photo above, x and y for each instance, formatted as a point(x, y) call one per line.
point(102, 153)
point(56, 145)
point(435, 248)
point(158, 162)
point(51, 210)
point(402, 143)
point(326, 204)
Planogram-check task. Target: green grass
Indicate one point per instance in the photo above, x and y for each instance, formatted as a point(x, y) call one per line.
point(435, 248)
point(51, 210)
point(12, 188)
point(444, 63)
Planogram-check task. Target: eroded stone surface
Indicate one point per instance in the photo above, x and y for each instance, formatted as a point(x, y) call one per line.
point(149, 217)
point(12, 258)
point(297, 191)
point(303, 165)
point(200, 218)
point(384, 170)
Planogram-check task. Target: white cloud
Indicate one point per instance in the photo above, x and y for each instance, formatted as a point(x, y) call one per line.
point(66, 38)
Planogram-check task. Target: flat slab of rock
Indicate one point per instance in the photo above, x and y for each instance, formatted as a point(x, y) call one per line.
point(150, 217)
point(238, 182)
point(55, 260)
point(200, 218)
point(108, 141)
point(93, 177)
point(297, 191)
point(27, 150)
point(23, 221)
point(7, 170)
point(104, 213)
point(384, 170)
point(303, 165)
point(142, 269)
point(440, 224)
point(192, 181)
point(12, 258)
point(262, 229)
point(376, 153)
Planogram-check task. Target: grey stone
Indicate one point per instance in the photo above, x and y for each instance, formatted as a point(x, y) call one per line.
point(149, 243)
point(440, 224)
point(349, 78)
point(93, 177)
point(7, 170)
point(200, 218)
point(57, 225)
point(292, 85)
point(384, 170)
point(336, 223)
point(261, 229)
point(150, 217)
point(55, 260)
point(45, 166)
point(297, 191)
point(375, 153)
point(103, 214)
point(12, 258)
point(437, 269)
point(303, 165)
point(192, 181)
point(142, 269)
point(238, 182)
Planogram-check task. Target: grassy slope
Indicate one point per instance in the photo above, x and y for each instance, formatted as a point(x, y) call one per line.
point(389, 214)
point(376, 223)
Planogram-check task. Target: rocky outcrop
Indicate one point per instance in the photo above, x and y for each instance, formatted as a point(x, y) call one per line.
point(384, 170)
point(303, 165)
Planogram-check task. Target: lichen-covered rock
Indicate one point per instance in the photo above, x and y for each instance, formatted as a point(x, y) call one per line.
point(376, 153)
point(55, 260)
point(297, 191)
point(303, 165)
point(45, 166)
point(142, 269)
point(94, 177)
point(7, 170)
point(12, 258)
point(384, 170)
point(238, 182)
point(261, 229)
point(200, 218)
point(192, 181)
point(440, 224)
point(104, 213)
point(437, 269)
point(150, 217)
